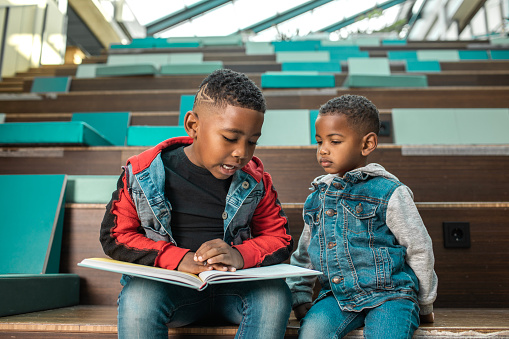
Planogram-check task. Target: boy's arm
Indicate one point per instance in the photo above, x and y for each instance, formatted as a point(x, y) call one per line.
point(271, 242)
point(122, 236)
point(405, 223)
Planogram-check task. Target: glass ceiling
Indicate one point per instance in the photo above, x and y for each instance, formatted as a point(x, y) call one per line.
point(239, 14)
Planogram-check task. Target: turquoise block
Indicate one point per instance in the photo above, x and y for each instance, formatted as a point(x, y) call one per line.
point(473, 55)
point(311, 66)
point(227, 40)
point(369, 66)
point(23, 293)
point(86, 71)
point(313, 114)
point(303, 56)
point(163, 43)
point(282, 80)
point(422, 66)
point(51, 85)
point(206, 67)
point(185, 58)
point(125, 70)
point(339, 49)
point(152, 135)
point(90, 189)
point(259, 48)
point(186, 105)
point(343, 56)
point(393, 42)
point(285, 128)
point(402, 55)
point(60, 132)
point(386, 81)
point(499, 54)
point(306, 45)
point(112, 125)
point(31, 237)
point(438, 54)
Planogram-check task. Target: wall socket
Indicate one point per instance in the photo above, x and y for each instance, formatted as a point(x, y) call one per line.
point(456, 234)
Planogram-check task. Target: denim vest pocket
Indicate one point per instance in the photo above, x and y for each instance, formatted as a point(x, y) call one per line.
point(312, 217)
point(358, 213)
point(384, 268)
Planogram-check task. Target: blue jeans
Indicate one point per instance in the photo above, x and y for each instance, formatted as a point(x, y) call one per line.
point(397, 318)
point(146, 308)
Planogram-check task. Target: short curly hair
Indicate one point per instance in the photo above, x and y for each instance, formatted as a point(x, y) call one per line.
point(226, 87)
point(362, 115)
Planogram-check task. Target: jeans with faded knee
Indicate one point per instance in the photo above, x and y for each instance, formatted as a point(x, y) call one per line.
point(146, 308)
point(394, 319)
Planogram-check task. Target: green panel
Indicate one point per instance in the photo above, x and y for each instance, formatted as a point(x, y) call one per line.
point(51, 85)
point(185, 58)
point(2, 118)
point(303, 80)
point(28, 235)
point(125, 70)
point(285, 128)
point(402, 55)
point(323, 56)
point(499, 40)
point(313, 114)
point(344, 56)
point(473, 55)
point(287, 46)
point(393, 42)
point(60, 132)
point(259, 48)
point(338, 43)
point(369, 66)
point(386, 81)
point(152, 135)
point(367, 41)
point(90, 189)
point(500, 54)
point(423, 66)
point(23, 293)
point(438, 54)
point(86, 71)
point(186, 105)
point(311, 66)
point(154, 59)
point(228, 40)
point(483, 125)
point(185, 68)
point(112, 125)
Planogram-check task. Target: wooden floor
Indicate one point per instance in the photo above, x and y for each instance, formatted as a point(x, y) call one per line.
point(100, 322)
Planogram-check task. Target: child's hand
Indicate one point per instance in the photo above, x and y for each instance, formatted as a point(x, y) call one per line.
point(219, 255)
point(301, 310)
point(427, 318)
point(189, 265)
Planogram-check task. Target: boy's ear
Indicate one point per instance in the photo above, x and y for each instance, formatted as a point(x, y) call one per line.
point(191, 123)
point(369, 143)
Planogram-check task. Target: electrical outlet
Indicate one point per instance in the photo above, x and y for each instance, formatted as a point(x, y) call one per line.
point(456, 234)
point(385, 129)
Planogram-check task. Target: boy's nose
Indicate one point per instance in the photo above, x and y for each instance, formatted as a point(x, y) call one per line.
point(240, 152)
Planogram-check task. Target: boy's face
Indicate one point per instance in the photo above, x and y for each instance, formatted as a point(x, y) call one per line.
point(224, 139)
point(340, 148)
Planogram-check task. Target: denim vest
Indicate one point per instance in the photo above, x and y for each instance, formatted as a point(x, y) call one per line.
point(154, 209)
point(362, 263)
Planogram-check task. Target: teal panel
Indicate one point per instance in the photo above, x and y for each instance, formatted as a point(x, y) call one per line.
point(203, 68)
point(438, 54)
point(367, 41)
point(163, 43)
point(227, 40)
point(338, 49)
point(282, 80)
point(185, 58)
point(86, 71)
point(369, 66)
point(499, 40)
point(51, 85)
point(386, 81)
point(259, 48)
point(26, 244)
point(487, 126)
point(186, 105)
point(61, 132)
point(125, 70)
point(313, 114)
point(285, 128)
point(402, 55)
point(393, 42)
point(499, 54)
point(473, 55)
point(338, 43)
point(90, 189)
point(322, 56)
point(23, 293)
point(311, 66)
point(152, 135)
point(111, 125)
point(154, 59)
point(343, 56)
point(423, 66)
point(286, 46)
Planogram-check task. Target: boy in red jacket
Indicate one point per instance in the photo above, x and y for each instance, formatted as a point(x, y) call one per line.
point(200, 203)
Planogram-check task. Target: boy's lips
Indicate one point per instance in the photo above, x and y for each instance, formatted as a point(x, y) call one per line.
point(229, 169)
point(325, 162)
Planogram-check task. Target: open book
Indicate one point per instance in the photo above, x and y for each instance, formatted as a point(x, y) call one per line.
point(200, 281)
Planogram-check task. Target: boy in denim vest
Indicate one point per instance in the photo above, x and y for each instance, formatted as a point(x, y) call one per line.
point(363, 232)
point(200, 203)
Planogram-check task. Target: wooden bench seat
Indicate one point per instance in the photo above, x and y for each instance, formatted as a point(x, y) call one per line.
point(101, 322)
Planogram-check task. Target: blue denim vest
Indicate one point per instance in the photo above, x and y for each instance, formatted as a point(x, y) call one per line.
point(154, 210)
point(362, 263)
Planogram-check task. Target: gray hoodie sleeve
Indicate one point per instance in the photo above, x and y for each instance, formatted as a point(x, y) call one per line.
point(406, 224)
point(302, 287)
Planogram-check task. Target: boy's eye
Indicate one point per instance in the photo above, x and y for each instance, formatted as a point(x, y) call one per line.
point(253, 143)
point(229, 140)
point(335, 142)
point(319, 142)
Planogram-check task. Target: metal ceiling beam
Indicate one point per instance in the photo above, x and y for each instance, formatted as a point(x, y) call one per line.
point(416, 16)
point(185, 14)
point(354, 18)
point(281, 17)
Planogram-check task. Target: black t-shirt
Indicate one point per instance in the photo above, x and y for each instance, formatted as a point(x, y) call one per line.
point(197, 199)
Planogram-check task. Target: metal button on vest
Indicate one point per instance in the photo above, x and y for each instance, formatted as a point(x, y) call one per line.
point(337, 280)
point(359, 208)
point(245, 185)
point(331, 245)
point(338, 185)
point(330, 212)
point(225, 215)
